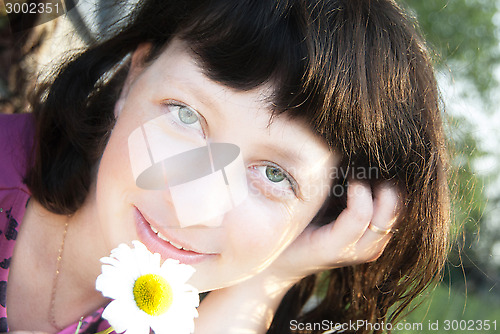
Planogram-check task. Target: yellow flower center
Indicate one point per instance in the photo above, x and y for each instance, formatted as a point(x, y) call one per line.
point(153, 294)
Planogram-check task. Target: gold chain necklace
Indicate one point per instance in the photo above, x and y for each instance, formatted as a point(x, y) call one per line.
point(52, 317)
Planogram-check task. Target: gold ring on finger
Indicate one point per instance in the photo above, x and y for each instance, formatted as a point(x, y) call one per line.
point(381, 231)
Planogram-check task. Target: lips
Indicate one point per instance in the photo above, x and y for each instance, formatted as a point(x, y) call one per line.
point(165, 245)
point(164, 238)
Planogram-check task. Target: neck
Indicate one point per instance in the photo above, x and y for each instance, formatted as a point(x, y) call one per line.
point(81, 265)
point(73, 287)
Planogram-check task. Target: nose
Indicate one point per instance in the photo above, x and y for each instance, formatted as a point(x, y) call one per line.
point(204, 182)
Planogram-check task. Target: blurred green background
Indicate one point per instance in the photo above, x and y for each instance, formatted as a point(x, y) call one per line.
point(464, 38)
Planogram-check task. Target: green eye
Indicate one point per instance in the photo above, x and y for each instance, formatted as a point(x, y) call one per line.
point(187, 115)
point(275, 174)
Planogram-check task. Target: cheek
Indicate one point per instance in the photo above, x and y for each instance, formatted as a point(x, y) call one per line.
point(116, 161)
point(113, 188)
point(114, 168)
point(258, 231)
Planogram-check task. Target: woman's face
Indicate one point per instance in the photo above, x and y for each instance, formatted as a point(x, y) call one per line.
point(284, 166)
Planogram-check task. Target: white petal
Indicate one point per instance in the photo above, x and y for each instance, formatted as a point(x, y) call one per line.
point(176, 272)
point(122, 251)
point(110, 260)
point(119, 315)
point(114, 283)
point(148, 264)
point(138, 327)
point(114, 289)
point(139, 245)
point(169, 324)
point(188, 298)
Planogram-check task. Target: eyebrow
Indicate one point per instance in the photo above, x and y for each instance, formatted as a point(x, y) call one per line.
point(196, 92)
point(292, 156)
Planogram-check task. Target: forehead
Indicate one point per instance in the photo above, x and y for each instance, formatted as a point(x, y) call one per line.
point(179, 64)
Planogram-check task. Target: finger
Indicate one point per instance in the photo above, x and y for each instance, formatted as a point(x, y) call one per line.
point(354, 219)
point(386, 204)
point(369, 252)
point(322, 245)
point(352, 222)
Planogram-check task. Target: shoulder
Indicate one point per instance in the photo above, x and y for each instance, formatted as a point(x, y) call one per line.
point(16, 143)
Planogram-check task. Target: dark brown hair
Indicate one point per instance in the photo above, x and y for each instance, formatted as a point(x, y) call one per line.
point(357, 71)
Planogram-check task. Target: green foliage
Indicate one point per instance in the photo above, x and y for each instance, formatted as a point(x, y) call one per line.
point(467, 187)
point(467, 262)
point(463, 33)
point(445, 304)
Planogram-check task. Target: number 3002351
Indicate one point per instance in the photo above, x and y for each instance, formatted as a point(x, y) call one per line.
point(32, 8)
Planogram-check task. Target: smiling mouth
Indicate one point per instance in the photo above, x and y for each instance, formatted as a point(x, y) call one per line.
point(164, 238)
point(157, 242)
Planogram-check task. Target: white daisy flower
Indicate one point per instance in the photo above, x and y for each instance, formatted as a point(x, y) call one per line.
point(146, 294)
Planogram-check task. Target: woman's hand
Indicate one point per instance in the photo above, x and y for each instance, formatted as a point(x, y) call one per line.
point(358, 235)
